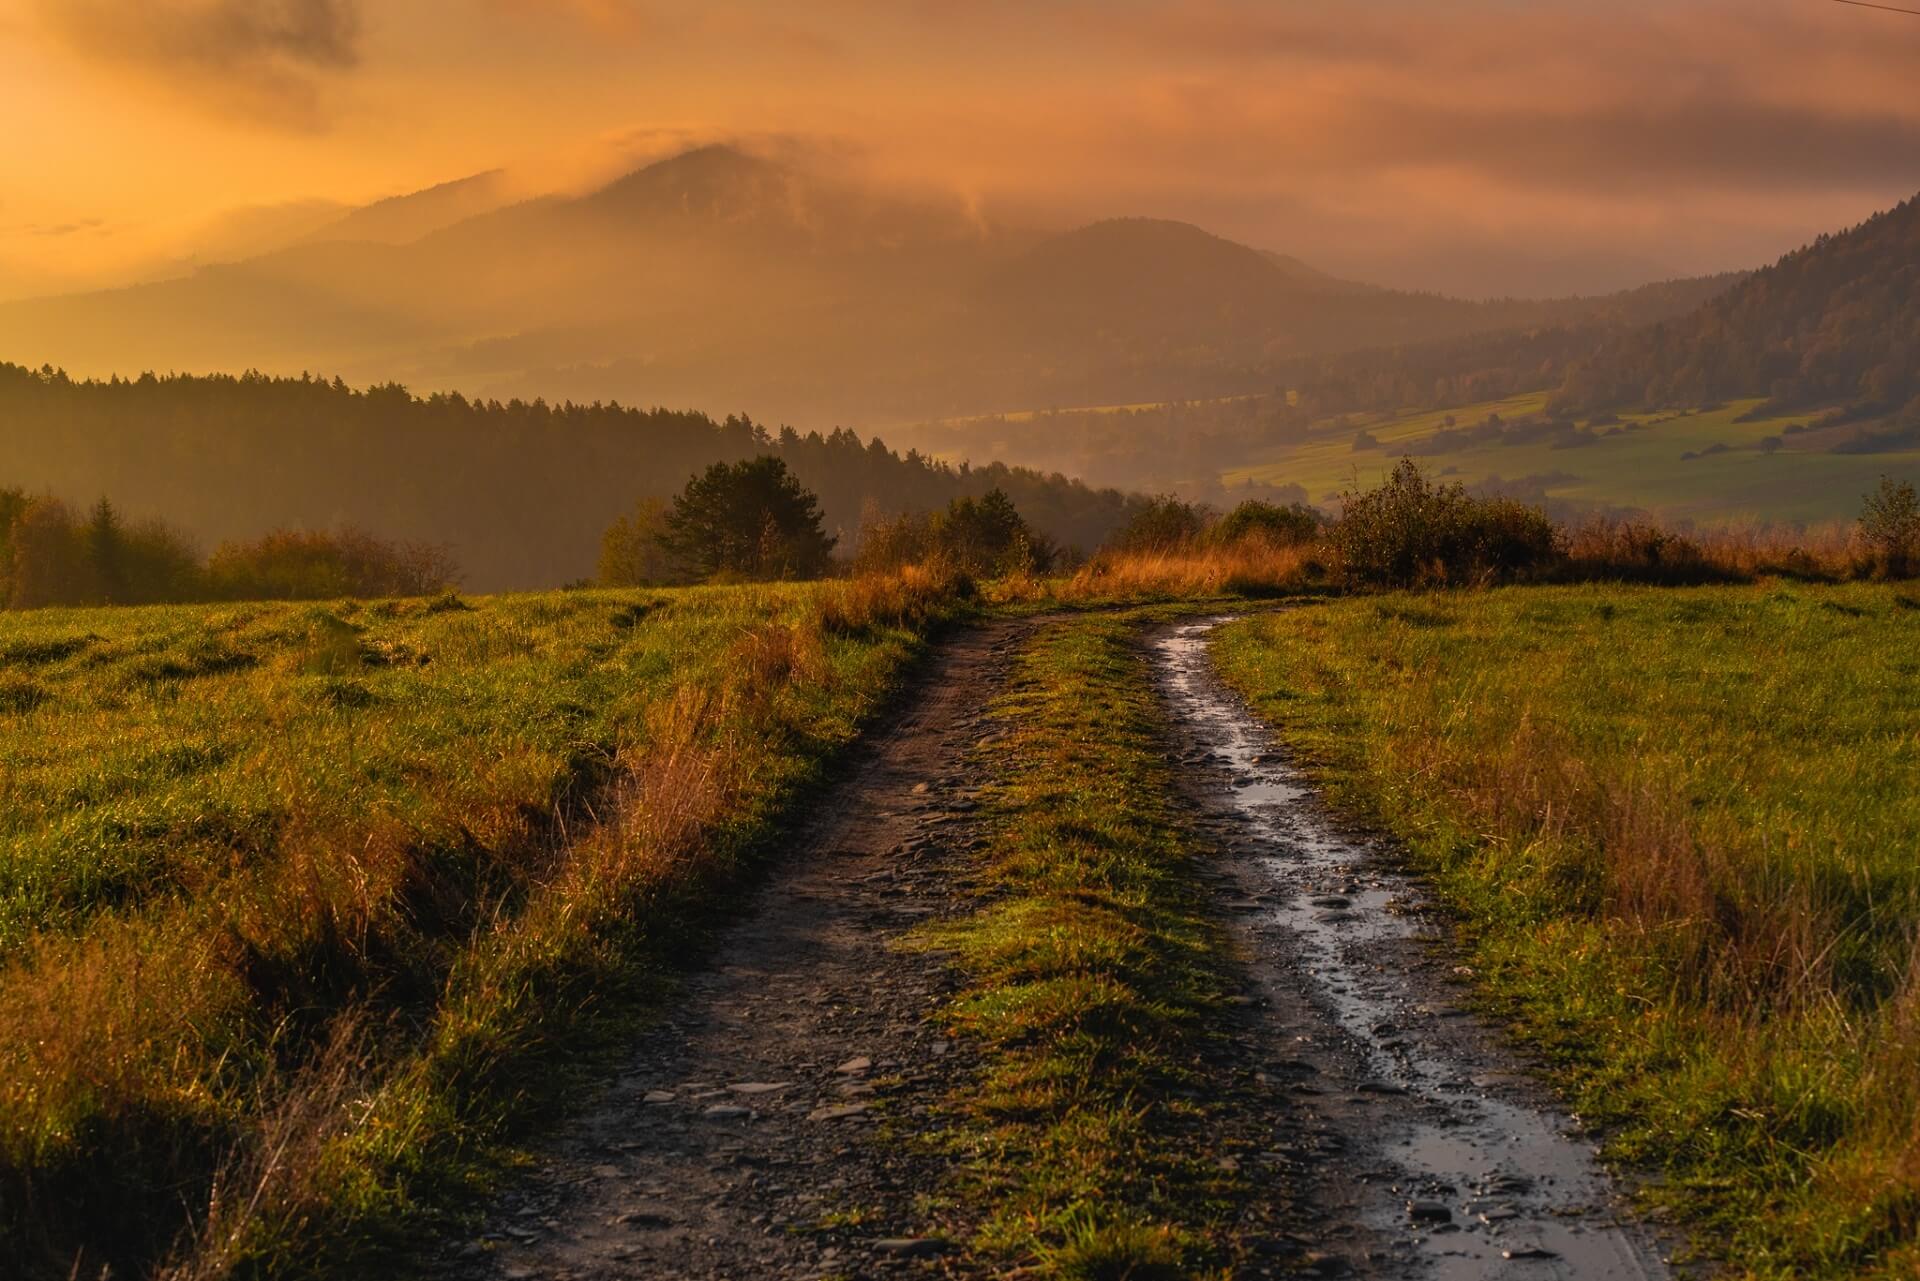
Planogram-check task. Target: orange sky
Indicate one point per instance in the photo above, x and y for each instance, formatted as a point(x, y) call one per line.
point(1429, 144)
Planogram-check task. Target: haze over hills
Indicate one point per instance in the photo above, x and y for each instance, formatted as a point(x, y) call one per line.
point(399, 219)
point(721, 280)
point(1816, 358)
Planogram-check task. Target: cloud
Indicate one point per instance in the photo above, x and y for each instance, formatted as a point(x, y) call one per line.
point(73, 228)
point(261, 60)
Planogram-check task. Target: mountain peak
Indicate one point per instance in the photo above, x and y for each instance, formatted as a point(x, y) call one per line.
point(703, 180)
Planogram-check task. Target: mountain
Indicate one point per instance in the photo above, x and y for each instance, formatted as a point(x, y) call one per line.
point(1834, 323)
point(1313, 277)
point(400, 219)
point(728, 281)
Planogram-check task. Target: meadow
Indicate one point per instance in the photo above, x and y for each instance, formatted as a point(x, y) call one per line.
point(1638, 462)
point(1679, 826)
point(299, 903)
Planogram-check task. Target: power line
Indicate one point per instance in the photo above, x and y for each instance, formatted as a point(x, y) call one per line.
point(1884, 8)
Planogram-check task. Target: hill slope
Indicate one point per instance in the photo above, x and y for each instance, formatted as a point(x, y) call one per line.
point(1835, 322)
point(723, 280)
point(520, 492)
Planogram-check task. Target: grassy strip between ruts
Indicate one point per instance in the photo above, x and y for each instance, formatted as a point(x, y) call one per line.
point(1090, 971)
point(1681, 827)
point(473, 833)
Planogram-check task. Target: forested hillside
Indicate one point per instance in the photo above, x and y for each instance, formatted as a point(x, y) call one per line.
point(1186, 445)
point(1835, 322)
point(519, 492)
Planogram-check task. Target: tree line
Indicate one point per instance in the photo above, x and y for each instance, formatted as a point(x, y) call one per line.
point(50, 555)
point(520, 492)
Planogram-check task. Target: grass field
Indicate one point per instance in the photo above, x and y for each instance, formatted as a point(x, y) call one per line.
point(1640, 465)
point(298, 902)
point(1681, 826)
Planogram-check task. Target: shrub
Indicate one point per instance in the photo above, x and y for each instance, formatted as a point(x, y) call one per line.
point(1164, 524)
point(1411, 531)
point(1287, 526)
point(1890, 527)
point(979, 538)
point(631, 554)
point(311, 565)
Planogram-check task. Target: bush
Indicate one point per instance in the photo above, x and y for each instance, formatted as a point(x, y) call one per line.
point(1287, 526)
point(1411, 531)
point(1890, 527)
point(983, 538)
point(1165, 524)
point(307, 565)
point(631, 554)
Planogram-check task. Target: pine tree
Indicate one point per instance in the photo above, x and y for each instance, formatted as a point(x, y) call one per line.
point(105, 547)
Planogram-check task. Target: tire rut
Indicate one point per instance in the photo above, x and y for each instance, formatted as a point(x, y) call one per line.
point(1438, 1153)
point(764, 1127)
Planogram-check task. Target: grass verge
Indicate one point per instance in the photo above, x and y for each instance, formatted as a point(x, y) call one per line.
point(1090, 972)
point(1680, 825)
point(300, 905)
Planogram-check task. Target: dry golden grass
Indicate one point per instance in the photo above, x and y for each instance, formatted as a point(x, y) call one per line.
point(1251, 567)
point(287, 1044)
point(1642, 551)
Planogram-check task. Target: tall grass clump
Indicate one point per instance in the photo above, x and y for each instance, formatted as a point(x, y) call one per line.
point(303, 903)
point(1680, 824)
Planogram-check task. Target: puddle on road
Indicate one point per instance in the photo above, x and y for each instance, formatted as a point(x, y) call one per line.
point(1480, 1186)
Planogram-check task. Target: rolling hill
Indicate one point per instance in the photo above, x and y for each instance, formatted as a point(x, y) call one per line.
point(725, 281)
point(1834, 323)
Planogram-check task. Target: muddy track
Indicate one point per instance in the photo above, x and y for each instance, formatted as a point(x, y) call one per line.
point(766, 1127)
point(1446, 1157)
point(770, 1126)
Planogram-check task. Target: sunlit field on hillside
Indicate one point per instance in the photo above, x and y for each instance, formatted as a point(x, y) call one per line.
point(1639, 462)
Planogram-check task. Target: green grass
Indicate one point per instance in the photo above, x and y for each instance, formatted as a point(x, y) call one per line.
point(1681, 826)
point(1091, 969)
point(341, 880)
point(1639, 468)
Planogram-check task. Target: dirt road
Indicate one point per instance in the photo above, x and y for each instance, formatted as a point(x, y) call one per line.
point(774, 1126)
point(1453, 1162)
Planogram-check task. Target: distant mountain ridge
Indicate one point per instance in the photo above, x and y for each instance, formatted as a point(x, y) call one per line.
point(728, 281)
point(1835, 321)
point(400, 219)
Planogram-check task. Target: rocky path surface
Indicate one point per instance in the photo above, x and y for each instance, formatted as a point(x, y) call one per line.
point(1445, 1159)
point(765, 1128)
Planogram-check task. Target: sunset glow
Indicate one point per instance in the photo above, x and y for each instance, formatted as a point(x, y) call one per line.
point(1455, 146)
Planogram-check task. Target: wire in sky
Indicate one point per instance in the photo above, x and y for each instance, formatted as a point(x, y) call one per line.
point(1884, 8)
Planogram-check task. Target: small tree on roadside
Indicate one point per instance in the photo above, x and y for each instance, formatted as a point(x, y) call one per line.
point(1409, 531)
point(48, 557)
point(988, 536)
point(1289, 526)
point(752, 519)
point(630, 550)
point(105, 542)
point(1164, 524)
point(1890, 526)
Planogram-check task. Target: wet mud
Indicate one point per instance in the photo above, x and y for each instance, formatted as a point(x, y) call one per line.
point(1445, 1159)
